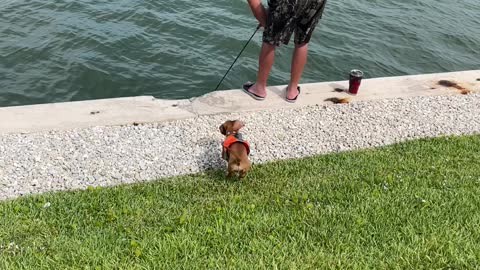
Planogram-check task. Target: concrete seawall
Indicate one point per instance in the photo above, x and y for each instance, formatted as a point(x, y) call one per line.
point(147, 109)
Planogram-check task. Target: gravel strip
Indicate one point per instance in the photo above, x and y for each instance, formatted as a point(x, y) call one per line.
point(105, 156)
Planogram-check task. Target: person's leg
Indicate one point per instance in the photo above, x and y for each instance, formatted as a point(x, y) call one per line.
point(265, 63)
point(309, 17)
point(279, 28)
point(299, 59)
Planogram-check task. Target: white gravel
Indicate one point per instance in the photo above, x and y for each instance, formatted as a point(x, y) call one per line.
point(104, 156)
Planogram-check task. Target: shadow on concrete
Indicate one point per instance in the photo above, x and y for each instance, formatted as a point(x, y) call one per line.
point(338, 88)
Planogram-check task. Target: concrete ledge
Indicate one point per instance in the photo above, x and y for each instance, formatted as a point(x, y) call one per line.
point(147, 109)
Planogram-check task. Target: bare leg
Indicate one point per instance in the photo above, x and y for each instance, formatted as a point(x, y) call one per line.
point(299, 60)
point(265, 63)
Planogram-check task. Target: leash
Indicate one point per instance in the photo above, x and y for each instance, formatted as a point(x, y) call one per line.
point(238, 56)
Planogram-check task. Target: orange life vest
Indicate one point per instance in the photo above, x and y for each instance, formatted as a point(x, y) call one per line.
point(231, 139)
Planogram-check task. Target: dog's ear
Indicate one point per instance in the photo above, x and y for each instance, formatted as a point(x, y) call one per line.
point(238, 125)
point(222, 129)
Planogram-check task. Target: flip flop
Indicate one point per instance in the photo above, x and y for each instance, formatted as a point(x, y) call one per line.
point(246, 89)
point(293, 100)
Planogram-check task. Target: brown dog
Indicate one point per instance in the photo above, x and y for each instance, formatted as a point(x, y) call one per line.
point(235, 149)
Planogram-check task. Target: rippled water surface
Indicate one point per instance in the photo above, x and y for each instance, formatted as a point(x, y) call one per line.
point(52, 51)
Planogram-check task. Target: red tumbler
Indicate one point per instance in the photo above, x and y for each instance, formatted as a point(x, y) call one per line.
point(356, 77)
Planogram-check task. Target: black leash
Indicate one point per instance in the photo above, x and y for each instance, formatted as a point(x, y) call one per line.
point(246, 44)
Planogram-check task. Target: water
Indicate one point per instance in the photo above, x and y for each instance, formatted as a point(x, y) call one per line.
point(63, 50)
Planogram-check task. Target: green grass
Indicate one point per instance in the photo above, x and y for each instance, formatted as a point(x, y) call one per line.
point(409, 206)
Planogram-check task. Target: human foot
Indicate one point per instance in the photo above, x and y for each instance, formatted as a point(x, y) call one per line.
point(252, 90)
point(292, 95)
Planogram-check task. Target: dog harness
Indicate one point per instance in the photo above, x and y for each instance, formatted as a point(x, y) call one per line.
point(231, 139)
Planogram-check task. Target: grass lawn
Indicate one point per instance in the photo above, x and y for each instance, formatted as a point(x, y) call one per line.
point(414, 205)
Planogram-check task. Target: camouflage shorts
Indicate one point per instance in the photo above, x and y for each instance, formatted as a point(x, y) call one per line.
point(288, 16)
